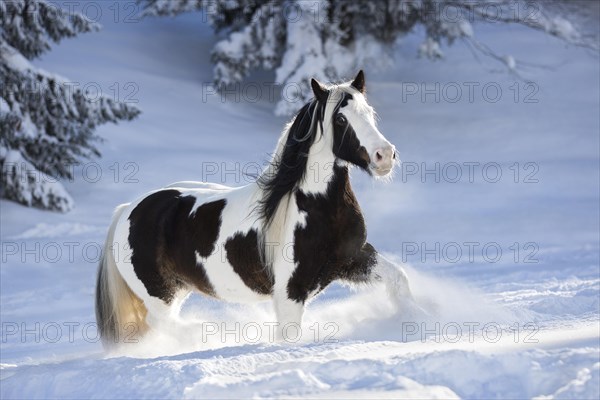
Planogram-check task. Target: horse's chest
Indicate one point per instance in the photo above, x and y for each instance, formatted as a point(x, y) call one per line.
point(330, 240)
point(331, 231)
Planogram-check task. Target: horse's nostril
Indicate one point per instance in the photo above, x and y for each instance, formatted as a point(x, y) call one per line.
point(378, 156)
point(394, 155)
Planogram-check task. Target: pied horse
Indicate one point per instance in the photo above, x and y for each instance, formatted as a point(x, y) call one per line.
point(284, 237)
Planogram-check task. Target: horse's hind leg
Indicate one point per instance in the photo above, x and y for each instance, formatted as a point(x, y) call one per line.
point(160, 311)
point(177, 303)
point(156, 310)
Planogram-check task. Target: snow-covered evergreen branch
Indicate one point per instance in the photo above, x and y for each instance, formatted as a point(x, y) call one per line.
point(47, 124)
point(330, 39)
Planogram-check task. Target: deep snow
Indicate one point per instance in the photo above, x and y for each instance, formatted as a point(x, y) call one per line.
point(512, 325)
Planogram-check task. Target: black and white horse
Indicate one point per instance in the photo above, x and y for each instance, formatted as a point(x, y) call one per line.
point(284, 237)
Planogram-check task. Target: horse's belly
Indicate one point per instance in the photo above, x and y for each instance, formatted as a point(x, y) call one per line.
point(235, 268)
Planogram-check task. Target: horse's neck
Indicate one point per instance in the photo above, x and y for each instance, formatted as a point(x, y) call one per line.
point(328, 177)
point(336, 200)
point(319, 168)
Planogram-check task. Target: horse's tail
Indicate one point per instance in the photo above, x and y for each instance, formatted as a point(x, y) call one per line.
point(120, 314)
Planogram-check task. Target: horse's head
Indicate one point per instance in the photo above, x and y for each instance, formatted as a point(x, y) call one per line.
point(338, 122)
point(349, 125)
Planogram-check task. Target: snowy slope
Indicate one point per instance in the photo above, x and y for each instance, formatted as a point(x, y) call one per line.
point(521, 325)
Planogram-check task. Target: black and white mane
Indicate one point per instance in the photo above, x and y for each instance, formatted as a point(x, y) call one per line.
point(288, 167)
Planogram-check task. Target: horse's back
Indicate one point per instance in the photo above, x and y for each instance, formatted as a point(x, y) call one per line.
point(198, 185)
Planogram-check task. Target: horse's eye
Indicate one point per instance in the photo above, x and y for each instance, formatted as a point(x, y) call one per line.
point(340, 119)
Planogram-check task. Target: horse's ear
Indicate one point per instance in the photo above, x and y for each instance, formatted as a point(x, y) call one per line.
point(319, 90)
point(359, 82)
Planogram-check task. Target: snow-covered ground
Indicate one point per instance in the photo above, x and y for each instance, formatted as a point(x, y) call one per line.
point(507, 265)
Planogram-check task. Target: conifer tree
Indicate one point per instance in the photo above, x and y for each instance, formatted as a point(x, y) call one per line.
point(47, 124)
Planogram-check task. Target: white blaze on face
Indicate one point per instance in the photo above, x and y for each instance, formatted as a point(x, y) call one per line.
point(361, 117)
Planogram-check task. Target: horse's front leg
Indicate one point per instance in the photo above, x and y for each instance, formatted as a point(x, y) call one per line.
point(289, 317)
point(287, 310)
point(394, 278)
